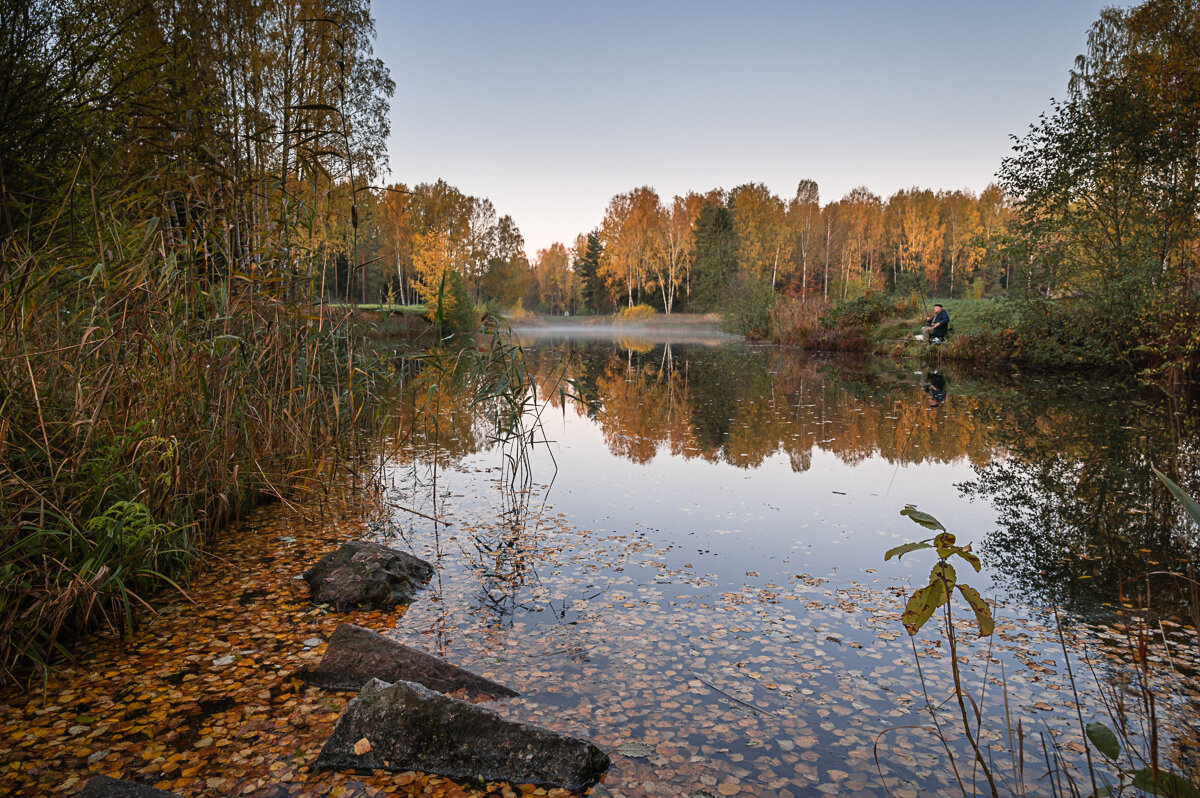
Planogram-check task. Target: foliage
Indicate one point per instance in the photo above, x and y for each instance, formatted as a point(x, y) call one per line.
point(637, 313)
point(747, 308)
point(795, 320)
point(1143, 772)
point(943, 580)
point(861, 311)
point(685, 252)
point(716, 257)
point(1189, 504)
point(1150, 780)
point(190, 181)
point(1109, 183)
point(587, 265)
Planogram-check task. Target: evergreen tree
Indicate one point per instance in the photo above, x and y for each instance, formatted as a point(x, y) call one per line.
point(716, 257)
point(586, 267)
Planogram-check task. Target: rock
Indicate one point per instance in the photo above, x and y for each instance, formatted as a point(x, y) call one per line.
point(356, 655)
point(365, 574)
point(106, 787)
point(410, 727)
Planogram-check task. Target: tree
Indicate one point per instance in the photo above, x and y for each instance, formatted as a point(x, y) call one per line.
point(919, 234)
point(961, 229)
point(1108, 186)
point(763, 240)
point(480, 243)
point(804, 222)
point(632, 227)
point(716, 256)
point(508, 275)
point(587, 265)
point(995, 216)
point(554, 278)
point(677, 246)
point(433, 260)
point(396, 233)
point(861, 229)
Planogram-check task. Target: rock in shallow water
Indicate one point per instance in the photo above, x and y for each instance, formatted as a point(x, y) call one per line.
point(410, 727)
point(356, 655)
point(365, 574)
point(106, 787)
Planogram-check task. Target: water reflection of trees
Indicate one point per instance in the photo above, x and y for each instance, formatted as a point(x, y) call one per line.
point(1082, 518)
point(1066, 464)
point(741, 406)
point(456, 404)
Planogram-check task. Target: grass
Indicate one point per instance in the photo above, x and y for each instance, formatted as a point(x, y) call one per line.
point(145, 402)
point(407, 310)
point(972, 321)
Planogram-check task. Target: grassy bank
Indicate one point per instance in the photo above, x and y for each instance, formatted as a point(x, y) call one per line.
point(1049, 334)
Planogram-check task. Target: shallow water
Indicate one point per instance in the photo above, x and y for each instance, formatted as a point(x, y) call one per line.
point(694, 561)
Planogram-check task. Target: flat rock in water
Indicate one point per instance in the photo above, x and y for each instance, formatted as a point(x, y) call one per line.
point(106, 787)
point(356, 655)
point(365, 574)
point(409, 727)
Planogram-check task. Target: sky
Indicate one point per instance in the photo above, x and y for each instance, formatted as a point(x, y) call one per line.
point(549, 109)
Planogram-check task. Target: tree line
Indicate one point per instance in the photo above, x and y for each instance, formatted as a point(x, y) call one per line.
point(691, 252)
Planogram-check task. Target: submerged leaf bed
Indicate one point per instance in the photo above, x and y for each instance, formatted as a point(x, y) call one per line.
point(786, 684)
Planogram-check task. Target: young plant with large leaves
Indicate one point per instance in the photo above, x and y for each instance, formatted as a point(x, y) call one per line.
point(943, 579)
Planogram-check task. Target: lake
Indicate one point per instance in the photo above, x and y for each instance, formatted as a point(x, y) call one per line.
point(689, 557)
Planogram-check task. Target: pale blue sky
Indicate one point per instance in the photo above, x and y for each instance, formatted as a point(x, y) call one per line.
point(551, 108)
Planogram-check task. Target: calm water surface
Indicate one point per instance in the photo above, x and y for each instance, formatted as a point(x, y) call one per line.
point(694, 559)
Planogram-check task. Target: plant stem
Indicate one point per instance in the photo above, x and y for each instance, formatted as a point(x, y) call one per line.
point(958, 693)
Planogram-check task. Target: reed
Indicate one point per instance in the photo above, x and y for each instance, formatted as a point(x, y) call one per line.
point(174, 209)
point(141, 410)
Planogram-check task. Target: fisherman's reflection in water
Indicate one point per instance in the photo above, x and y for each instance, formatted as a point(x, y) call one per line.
point(935, 386)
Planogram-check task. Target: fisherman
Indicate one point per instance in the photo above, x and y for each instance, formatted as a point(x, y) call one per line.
point(936, 325)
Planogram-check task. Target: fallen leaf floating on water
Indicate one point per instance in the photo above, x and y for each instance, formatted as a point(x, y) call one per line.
point(635, 750)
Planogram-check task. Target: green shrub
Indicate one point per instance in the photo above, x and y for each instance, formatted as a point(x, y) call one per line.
point(748, 308)
point(864, 311)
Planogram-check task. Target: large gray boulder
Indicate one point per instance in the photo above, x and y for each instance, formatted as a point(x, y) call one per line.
point(365, 574)
point(356, 655)
point(409, 727)
point(107, 787)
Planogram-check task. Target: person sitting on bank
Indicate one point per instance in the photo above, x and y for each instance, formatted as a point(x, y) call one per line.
point(936, 325)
